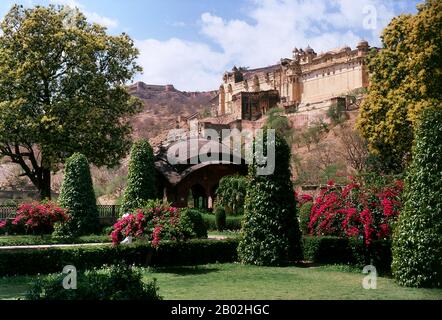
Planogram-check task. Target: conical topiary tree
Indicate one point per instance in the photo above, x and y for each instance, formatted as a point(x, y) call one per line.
point(141, 185)
point(417, 241)
point(270, 234)
point(77, 195)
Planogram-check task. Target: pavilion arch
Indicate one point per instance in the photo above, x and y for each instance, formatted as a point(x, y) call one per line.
point(178, 182)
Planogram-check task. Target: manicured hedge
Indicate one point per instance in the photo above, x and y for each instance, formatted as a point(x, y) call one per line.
point(232, 222)
point(334, 250)
point(28, 240)
point(324, 250)
point(44, 261)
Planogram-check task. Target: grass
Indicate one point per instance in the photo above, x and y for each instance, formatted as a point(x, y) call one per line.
point(235, 281)
point(29, 240)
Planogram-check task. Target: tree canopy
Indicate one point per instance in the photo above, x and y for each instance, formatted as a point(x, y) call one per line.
point(231, 194)
point(62, 90)
point(405, 78)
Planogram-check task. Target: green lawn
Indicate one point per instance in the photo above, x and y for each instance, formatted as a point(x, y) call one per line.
point(234, 281)
point(28, 240)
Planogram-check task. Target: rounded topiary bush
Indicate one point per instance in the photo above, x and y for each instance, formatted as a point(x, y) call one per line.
point(192, 219)
point(270, 232)
point(220, 218)
point(304, 217)
point(141, 185)
point(77, 195)
point(417, 241)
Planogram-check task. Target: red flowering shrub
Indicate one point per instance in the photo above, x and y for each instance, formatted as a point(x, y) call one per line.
point(153, 224)
point(356, 211)
point(38, 218)
point(303, 198)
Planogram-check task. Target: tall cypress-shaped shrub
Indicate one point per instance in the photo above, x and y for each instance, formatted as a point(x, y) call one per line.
point(77, 195)
point(141, 185)
point(270, 234)
point(417, 241)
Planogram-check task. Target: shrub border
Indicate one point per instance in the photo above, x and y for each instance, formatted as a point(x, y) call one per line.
point(169, 253)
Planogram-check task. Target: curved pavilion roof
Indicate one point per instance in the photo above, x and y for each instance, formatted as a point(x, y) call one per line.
point(181, 158)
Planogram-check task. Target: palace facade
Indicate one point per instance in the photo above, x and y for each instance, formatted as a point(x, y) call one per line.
point(304, 79)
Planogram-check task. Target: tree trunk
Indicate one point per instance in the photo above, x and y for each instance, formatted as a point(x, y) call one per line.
point(45, 186)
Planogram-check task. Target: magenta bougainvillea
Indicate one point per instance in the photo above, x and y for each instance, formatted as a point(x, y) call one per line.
point(151, 224)
point(38, 218)
point(356, 211)
point(303, 198)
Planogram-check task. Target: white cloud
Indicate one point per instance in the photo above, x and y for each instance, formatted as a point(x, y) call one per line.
point(102, 20)
point(187, 65)
point(272, 30)
point(92, 16)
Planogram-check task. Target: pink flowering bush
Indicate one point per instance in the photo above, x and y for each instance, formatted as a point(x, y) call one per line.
point(303, 198)
point(356, 211)
point(37, 218)
point(156, 222)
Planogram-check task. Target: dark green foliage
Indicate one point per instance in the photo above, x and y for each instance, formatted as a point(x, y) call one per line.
point(417, 246)
point(77, 195)
point(304, 217)
point(31, 240)
point(233, 223)
point(169, 253)
point(192, 221)
point(334, 250)
point(220, 218)
point(119, 282)
point(231, 194)
point(141, 185)
point(280, 123)
point(336, 113)
point(270, 233)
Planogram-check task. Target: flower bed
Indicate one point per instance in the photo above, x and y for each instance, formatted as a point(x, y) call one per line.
point(356, 211)
point(35, 218)
point(154, 223)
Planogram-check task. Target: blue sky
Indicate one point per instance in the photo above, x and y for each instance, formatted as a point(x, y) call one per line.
point(190, 43)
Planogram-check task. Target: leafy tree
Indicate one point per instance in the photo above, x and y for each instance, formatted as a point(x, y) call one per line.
point(62, 90)
point(417, 243)
point(77, 195)
point(231, 194)
point(141, 185)
point(405, 78)
point(280, 123)
point(336, 113)
point(314, 133)
point(270, 233)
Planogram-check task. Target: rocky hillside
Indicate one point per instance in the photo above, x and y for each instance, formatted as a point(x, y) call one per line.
point(164, 104)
